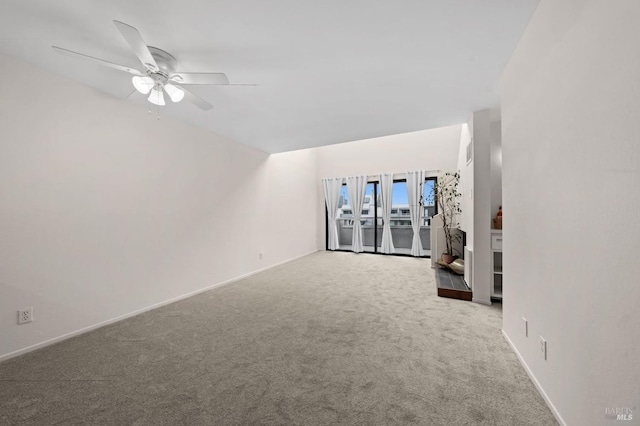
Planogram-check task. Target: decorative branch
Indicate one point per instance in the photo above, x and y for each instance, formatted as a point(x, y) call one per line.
point(448, 199)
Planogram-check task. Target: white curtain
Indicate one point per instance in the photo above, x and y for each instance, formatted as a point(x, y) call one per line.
point(415, 187)
point(332, 188)
point(357, 186)
point(386, 192)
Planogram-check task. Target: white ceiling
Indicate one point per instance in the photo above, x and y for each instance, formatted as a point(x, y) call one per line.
point(326, 71)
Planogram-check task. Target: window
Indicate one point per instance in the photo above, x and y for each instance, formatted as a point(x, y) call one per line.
point(371, 219)
point(345, 225)
point(401, 234)
point(428, 200)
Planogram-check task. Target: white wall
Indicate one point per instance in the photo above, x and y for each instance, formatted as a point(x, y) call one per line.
point(465, 168)
point(105, 210)
point(571, 195)
point(480, 126)
point(435, 149)
point(293, 204)
point(496, 167)
point(466, 184)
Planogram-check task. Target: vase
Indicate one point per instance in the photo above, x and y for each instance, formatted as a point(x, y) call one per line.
point(447, 258)
point(497, 222)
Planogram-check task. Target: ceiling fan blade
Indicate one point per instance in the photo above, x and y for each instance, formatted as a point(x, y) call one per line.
point(196, 100)
point(139, 47)
point(218, 78)
point(96, 60)
point(241, 84)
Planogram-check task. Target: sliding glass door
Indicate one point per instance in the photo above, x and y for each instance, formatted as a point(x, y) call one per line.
point(369, 215)
point(400, 221)
point(367, 219)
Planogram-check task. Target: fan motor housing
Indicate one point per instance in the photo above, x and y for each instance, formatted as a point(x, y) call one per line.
point(166, 62)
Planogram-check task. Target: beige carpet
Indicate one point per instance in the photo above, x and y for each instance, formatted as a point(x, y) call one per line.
point(332, 338)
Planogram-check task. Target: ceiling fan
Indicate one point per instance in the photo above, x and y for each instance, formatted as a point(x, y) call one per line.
point(159, 75)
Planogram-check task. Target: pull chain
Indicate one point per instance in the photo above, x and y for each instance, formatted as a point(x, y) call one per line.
point(158, 89)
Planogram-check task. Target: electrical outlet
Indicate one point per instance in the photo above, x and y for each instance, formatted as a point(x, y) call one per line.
point(543, 348)
point(526, 327)
point(25, 315)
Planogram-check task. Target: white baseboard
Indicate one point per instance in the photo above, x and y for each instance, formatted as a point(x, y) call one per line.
point(552, 407)
point(139, 311)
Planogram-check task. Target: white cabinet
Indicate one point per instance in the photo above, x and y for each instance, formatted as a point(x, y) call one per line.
point(496, 263)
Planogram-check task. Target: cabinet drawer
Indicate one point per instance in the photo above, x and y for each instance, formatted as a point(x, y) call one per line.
point(496, 242)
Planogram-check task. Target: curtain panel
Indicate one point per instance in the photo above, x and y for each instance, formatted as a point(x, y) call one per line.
point(357, 186)
point(332, 188)
point(415, 188)
point(386, 192)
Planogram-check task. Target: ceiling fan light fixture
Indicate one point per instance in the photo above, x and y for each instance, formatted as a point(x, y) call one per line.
point(143, 84)
point(159, 74)
point(175, 93)
point(156, 97)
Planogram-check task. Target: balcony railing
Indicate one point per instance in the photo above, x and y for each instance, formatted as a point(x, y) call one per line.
point(402, 235)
